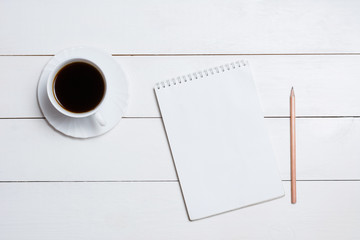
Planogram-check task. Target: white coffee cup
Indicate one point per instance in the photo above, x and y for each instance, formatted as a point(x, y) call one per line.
point(94, 113)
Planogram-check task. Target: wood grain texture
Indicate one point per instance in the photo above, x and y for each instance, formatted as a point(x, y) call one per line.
point(137, 149)
point(202, 26)
point(325, 210)
point(325, 85)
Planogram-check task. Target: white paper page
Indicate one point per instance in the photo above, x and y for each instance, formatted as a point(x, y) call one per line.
point(221, 149)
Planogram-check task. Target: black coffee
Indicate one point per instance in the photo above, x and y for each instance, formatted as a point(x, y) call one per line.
point(79, 87)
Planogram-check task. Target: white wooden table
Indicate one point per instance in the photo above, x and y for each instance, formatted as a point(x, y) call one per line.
point(123, 185)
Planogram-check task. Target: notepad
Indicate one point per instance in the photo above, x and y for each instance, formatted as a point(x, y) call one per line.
point(218, 139)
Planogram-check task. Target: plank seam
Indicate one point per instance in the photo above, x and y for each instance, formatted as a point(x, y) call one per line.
point(166, 181)
point(132, 117)
point(194, 54)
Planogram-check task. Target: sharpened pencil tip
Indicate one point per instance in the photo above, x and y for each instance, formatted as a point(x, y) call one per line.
point(292, 91)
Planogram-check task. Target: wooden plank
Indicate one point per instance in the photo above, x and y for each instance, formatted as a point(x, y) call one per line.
point(18, 92)
point(181, 27)
point(137, 149)
point(324, 85)
point(42, 211)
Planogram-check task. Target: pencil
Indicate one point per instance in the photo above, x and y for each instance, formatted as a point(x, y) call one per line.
point(292, 146)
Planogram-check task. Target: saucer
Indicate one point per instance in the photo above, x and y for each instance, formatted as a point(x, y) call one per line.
point(114, 105)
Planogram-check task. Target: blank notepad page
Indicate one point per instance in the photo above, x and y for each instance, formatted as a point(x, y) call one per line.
point(218, 139)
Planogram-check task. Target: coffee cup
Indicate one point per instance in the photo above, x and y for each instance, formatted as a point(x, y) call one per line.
point(77, 88)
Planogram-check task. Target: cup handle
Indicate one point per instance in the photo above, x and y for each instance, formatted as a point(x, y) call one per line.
point(99, 119)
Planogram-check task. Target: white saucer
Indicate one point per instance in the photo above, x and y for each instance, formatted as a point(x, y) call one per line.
point(112, 109)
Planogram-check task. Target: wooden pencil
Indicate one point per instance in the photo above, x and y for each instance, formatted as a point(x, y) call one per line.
point(292, 146)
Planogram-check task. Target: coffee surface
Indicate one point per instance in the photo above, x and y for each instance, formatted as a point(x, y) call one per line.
point(79, 87)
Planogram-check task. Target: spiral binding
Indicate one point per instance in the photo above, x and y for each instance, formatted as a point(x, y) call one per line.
point(200, 74)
